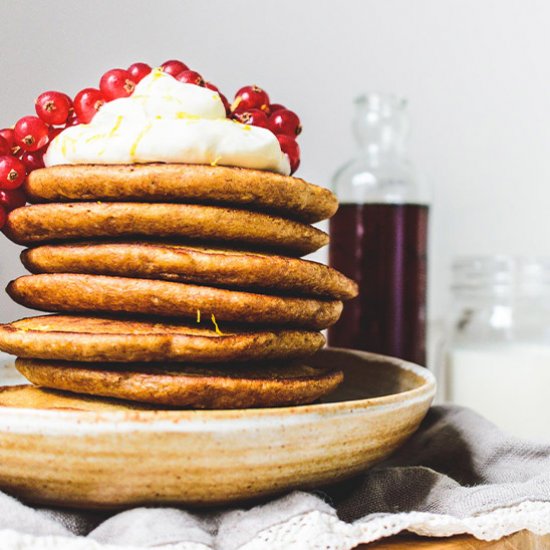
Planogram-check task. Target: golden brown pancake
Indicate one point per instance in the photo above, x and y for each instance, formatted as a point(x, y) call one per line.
point(188, 264)
point(31, 397)
point(98, 293)
point(258, 190)
point(73, 338)
point(62, 221)
point(181, 385)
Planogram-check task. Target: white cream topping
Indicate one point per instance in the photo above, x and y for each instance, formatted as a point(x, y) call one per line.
point(167, 121)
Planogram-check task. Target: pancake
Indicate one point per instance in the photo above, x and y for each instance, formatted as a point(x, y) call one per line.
point(31, 397)
point(180, 385)
point(62, 221)
point(170, 262)
point(72, 338)
point(98, 293)
point(258, 190)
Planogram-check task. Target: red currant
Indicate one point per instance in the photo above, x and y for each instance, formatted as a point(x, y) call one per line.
point(290, 147)
point(226, 104)
point(9, 135)
point(3, 217)
point(190, 77)
point(250, 97)
point(31, 133)
point(211, 86)
point(54, 132)
point(53, 107)
point(138, 71)
point(71, 121)
point(5, 148)
point(116, 83)
point(12, 199)
point(12, 172)
point(173, 67)
point(254, 117)
point(87, 103)
point(285, 122)
point(33, 160)
point(274, 107)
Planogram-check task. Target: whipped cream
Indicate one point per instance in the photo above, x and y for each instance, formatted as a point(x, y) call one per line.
point(165, 120)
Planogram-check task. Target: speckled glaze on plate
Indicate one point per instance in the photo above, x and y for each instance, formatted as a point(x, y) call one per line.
point(80, 457)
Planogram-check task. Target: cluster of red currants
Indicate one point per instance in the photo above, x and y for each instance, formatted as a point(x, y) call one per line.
point(22, 147)
point(252, 106)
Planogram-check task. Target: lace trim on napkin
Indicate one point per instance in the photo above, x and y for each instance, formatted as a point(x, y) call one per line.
point(322, 530)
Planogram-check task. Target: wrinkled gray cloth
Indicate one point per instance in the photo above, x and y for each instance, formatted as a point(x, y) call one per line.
point(457, 464)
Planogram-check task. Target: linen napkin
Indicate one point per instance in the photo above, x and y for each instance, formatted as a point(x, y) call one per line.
point(458, 474)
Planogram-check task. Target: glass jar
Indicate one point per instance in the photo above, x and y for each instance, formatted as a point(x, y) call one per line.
point(498, 351)
point(379, 236)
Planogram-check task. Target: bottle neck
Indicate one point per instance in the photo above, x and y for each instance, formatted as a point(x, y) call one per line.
point(381, 171)
point(381, 128)
point(377, 155)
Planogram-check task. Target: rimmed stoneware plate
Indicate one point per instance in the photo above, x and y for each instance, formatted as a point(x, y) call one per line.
point(80, 456)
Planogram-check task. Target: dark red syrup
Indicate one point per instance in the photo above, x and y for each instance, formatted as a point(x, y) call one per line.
point(383, 247)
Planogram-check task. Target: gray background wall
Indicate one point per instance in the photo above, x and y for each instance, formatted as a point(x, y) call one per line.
point(477, 74)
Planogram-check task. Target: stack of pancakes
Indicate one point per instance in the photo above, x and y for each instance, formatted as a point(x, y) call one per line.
point(177, 285)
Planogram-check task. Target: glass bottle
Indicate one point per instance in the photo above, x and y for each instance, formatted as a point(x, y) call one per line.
point(498, 346)
point(379, 236)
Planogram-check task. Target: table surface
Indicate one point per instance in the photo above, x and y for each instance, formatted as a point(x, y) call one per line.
point(523, 540)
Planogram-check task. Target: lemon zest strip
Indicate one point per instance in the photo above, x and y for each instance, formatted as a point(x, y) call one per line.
point(138, 139)
point(216, 327)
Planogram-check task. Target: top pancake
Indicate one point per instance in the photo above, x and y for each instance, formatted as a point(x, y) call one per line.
point(215, 185)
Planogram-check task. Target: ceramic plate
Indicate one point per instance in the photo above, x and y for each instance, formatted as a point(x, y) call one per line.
point(86, 453)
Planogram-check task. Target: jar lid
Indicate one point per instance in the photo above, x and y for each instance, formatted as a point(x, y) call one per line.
point(502, 275)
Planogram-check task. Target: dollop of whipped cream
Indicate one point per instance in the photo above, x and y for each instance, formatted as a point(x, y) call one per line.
point(165, 120)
